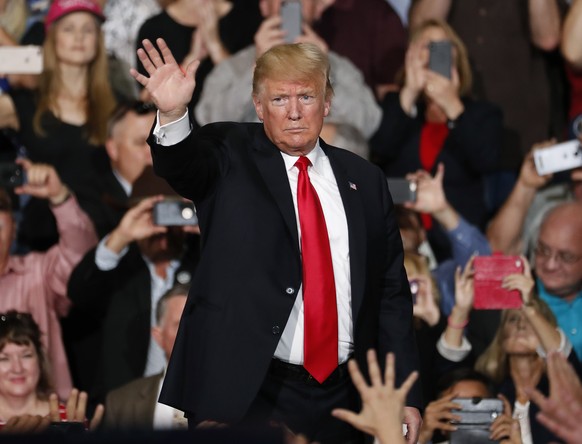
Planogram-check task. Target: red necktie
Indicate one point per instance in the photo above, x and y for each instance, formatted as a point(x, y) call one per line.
point(319, 296)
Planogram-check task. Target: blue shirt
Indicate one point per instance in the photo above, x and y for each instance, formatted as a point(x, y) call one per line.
point(465, 240)
point(568, 315)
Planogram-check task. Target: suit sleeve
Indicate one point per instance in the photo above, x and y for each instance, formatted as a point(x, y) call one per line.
point(396, 333)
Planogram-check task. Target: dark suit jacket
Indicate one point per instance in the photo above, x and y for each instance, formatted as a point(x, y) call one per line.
point(250, 267)
point(132, 406)
point(107, 331)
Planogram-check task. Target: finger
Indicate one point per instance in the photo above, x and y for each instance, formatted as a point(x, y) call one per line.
point(81, 407)
point(72, 404)
point(440, 173)
point(192, 68)
point(97, 417)
point(145, 61)
point(54, 414)
point(537, 397)
point(408, 383)
point(153, 53)
point(356, 375)
point(141, 79)
point(374, 368)
point(26, 164)
point(389, 371)
point(506, 404)
point(346, 416)
point(167, 55)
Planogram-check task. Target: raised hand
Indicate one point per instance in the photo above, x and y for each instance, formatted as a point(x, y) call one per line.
point(524, 283)
point(560, 412)
point(505, 429)
point(42, 181)
point(382, 411)
point(425, 306)
point(136, 224)
point(169, 86)
point(528, 175)
point(269, 34)
point(438, 416)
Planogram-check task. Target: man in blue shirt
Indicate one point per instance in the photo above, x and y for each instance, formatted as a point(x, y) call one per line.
point(558, 267)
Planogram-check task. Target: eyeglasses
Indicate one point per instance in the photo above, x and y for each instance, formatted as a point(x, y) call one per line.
point(544, 252)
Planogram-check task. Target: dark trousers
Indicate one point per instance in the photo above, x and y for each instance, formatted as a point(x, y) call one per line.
point(291, 397)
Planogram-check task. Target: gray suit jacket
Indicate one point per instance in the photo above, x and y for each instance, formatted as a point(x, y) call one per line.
point(132, 405)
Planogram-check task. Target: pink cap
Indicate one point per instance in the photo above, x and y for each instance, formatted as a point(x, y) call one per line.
point(60, 8)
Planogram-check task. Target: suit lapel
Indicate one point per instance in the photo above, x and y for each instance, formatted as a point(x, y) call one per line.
point(272, 169)
point(356, 227)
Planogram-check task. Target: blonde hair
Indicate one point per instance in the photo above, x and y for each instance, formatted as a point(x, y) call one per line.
point(416, 264)
point(100, 101)
point(494, 361)
point(301, 62)
point(461, 58)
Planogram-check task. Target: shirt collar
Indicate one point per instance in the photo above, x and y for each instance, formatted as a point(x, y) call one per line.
point(316, 156)
point(553, 300)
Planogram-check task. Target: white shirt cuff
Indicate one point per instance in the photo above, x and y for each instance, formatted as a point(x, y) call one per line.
point(105, 259)
point(564, 349)
point(173, 132)
point(454, 354)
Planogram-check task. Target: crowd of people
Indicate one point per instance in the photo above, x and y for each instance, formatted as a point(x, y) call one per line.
point(113, 321)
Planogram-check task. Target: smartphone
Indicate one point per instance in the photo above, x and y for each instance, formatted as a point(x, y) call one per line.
point(21, 59)
point(414, 287)
point(402, 190)
point(477, 415)
point(560, 157)
point(291, 20)
point(11, 175)
point(440, 57)
point(174, 212)
point(489, 272)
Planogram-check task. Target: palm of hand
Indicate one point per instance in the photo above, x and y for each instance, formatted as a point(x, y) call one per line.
point(170, 88)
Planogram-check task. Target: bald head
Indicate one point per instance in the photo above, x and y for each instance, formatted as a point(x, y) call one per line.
point(558, 261)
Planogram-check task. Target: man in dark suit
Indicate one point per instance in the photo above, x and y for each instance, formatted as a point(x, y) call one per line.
point(117, 167)
point(135, 404)
point(239, 354)
point(114, 290)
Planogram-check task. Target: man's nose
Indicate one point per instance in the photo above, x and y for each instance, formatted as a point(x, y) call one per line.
point(294, 110)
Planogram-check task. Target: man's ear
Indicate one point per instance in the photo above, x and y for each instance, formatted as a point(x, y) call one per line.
point(258, 107)
point(156, 333)
point(111, 148)
point(326, 107)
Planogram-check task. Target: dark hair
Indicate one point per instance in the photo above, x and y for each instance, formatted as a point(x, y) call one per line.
point(20, 328)
point(5, 201)
point(405, 217)
point(176, 290)
point(453, 377)
point(136, 106)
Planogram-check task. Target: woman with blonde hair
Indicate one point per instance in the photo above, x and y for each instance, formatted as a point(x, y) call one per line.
point(64, 121)
point(432, 119)
point(516, 358)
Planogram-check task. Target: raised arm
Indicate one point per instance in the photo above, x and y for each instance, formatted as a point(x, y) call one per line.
point(76, 232)
point(572, 35)
point(545, 24)
point(422, 10)
point(169, 86)
point(505, 229)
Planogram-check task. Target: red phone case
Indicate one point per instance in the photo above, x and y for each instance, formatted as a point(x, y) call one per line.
point(489, 272)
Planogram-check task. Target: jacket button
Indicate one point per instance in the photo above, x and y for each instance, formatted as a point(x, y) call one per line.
point(290, 290)
point(276, 330)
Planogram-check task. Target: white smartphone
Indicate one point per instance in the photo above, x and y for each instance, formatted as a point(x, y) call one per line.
point(21, 59)
point(291, 19)
point(560, 157)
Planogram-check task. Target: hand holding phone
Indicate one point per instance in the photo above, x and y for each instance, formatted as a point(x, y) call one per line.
point(291, 20)
point(560, 157)
point(440, 57)
point(489, 272)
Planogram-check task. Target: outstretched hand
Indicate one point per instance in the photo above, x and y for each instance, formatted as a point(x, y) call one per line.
point(169, 86)
point(382, 413)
